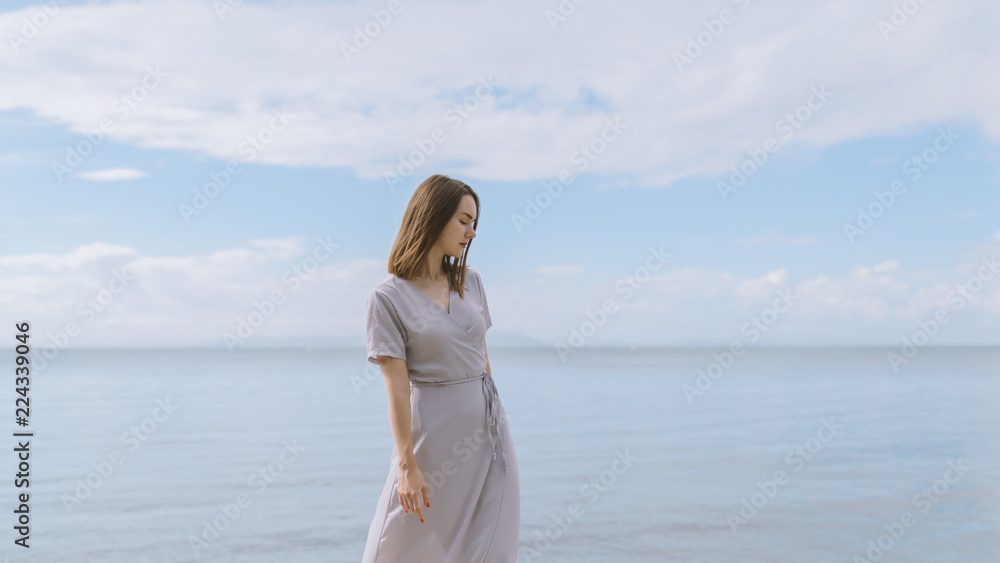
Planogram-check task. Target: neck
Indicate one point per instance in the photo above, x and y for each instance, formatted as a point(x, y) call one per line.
point(432, 269)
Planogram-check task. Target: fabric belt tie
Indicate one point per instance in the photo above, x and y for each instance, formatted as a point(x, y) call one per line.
point(492, 409)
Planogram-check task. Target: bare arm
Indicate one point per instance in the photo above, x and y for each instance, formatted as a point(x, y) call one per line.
point(411, 482)
point(397, 385)
point(487, 358)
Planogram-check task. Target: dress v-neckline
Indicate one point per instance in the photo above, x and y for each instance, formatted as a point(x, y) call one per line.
point(448, 312)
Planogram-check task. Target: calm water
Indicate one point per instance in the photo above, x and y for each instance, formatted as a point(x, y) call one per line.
point(301, 439)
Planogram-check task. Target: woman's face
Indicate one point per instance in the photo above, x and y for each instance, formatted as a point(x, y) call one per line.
point(458, 232)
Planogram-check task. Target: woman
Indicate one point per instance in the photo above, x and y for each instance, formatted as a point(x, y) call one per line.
point(452, 494)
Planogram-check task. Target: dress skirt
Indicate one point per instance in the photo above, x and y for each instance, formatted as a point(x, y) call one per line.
point(463, 448)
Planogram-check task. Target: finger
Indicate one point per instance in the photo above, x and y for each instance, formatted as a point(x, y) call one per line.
point(427, 499)
point(415, 503)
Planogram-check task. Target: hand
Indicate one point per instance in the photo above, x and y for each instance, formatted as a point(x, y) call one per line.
point(411, 486)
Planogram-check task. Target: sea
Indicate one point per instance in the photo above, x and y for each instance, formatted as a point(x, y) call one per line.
point(826, 454)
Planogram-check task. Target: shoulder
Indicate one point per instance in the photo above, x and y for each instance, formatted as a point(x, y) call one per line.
point(387, 289)
point(472, 278)
point(474, 282)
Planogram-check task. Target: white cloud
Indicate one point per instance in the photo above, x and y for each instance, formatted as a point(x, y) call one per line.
point(280, 248)
point(192, 300)
point(122, 297)
point(961, 216)
point(760, 288)
point(14, 158)
point(889, 266)
point(112, 174)
point(224, 78)
point(79, 257)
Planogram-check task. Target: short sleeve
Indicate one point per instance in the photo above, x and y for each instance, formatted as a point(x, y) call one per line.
point(482, 296)
point(384, 330)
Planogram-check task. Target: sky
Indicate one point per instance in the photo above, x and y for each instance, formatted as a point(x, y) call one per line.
point(651, 174)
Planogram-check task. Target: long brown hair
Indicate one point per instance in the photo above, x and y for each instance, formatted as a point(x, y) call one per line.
point(431, 206)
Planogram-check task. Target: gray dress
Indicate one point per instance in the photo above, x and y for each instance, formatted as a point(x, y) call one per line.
point(461, 439)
